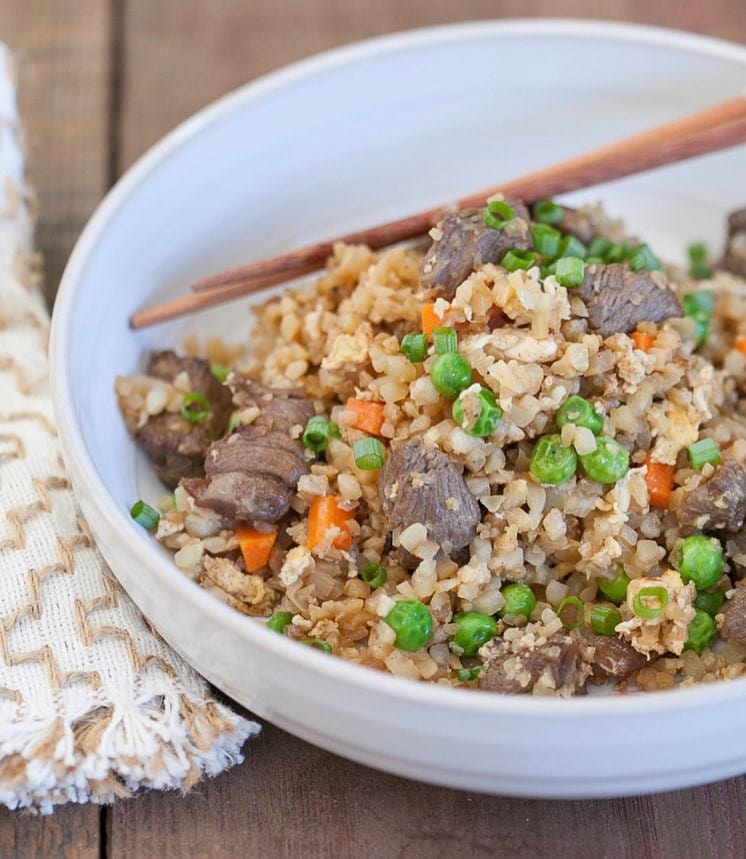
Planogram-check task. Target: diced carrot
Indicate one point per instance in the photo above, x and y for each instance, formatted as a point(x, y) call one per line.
point(659, 480)
point(430, 319)
point(740, 344)
point(325, 512)
point(368, 415)
point(643, 340)
point(256, 546)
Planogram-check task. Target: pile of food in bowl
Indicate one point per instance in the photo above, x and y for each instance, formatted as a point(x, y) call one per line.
point(514, 461)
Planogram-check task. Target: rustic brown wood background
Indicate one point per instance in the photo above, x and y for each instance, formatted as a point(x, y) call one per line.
point(101, 80)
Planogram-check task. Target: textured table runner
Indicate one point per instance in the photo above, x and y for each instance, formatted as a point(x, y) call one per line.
point(93, 704)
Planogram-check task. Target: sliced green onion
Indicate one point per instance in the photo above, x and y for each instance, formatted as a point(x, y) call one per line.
point(373, 575)
point(414, 346)
point(699, 307)
point(233, 424)
point(487, 418)
point(547, 212)
point(703, 452)
point(466, 675)
point(145, 515)
point(615, 589)
point(616, 253)
point(604, 619)
point(698, 268)
point(195, 407)
point(642, 257)
point(279, 620)
point(570, 271)
point(572, 603)
point(640, 604)
point(450, 374)
point(591, 260)
point(599, 247)
point(318, 643)
point(497, 214)
point(572, 247)
point(548, 269)
point(317, 433)
point(220, 371)
point(516, 259)
point(579, 412)
point(546, 239)
point(368, 453)
point(445, 340)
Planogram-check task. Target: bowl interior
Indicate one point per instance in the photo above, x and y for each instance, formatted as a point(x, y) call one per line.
point(353, 138)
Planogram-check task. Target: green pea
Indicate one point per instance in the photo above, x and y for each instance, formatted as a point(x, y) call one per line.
point(701, 632)
point(615, 589)
point(473, 630)
point(487, 418)
point(412, 623)
point(608, 463)
point(711, 602)
point(578, 411)
point(450, 374)
point(519, 600)
point(700, 559)
point(551, 461)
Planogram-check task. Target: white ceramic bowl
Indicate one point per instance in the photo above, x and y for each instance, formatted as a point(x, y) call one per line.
point(345, 140)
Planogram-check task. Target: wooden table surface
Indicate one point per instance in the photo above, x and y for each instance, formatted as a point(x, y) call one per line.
point(101, 80)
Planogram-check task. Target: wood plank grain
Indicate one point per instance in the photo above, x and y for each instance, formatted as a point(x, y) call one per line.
point(181, 54)
point(292, 800)
point(64, 50)
point(72, 832)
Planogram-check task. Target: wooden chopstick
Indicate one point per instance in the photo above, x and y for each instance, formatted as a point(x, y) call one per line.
point(708, 130)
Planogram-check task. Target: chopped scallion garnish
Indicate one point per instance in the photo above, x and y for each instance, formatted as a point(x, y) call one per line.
point(466, 675)
point(703, 452)
point(373, 575)
point(195, 407)
point(368, 453)
point(616, 253)
point(604, 619)
point(642, 607)
point(699, 307)
point(518, 259)
point(317, 433)
point(220, 371)
point(547, 212)
point(571, 612)
point(414, 346)
point(642, 257)
point(445, 340)
point(546, 240)
point(698, 268)
point(498, 214)
point(570, 271)
point(572, 247)
point(145, 515)
point(279, 620)
point(599, 247)
point(318, 643)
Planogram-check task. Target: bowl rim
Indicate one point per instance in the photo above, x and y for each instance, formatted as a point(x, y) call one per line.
point(83, 469)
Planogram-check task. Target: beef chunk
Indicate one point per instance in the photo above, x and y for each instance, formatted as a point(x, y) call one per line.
point(560, 664)
point(466, 244)
point(734, 620)
point(577, 224)
point(734, 257)
point(253, 474)
point(618, 299)
point(422, 484)
point(717, 505)
point(613, 658)
point(177, 447)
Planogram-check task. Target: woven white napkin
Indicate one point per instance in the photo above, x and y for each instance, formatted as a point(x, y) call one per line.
point(93, 704)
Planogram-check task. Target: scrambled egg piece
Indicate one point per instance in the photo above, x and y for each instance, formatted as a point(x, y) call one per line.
point(669, 630)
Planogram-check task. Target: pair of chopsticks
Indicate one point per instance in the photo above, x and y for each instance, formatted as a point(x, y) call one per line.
point(708, 130)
